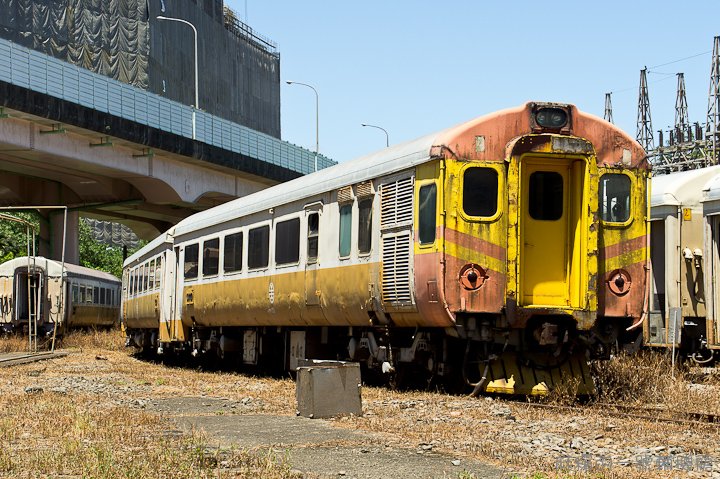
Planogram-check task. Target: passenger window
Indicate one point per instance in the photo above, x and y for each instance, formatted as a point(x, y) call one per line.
point(233, 252)
point(151, 273)
point(287, 241)
point(211, 257)
point(158, 272)
point(614, 198)
point(312, 237)
point(141, 279)
point(364, 225)
point(427, 213)
point(546, 196)
point(146, 277)
point(75, 294)
point(345, 229)
point(82, 294)
point(89, 294)
point(259, 247)
point(96, 295)
point(102, 296)
point(191, 261)
point(480, 192)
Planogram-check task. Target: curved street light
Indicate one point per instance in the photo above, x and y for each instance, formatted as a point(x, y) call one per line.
point(197, 100)
point(317, 118)
point(387, 137)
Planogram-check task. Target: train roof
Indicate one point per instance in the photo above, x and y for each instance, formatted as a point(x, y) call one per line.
point(53, 268)
point(711, 190)
point(682, 188)
point(497, 129)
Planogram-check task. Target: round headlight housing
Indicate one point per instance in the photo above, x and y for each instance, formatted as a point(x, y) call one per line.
point(554, 118)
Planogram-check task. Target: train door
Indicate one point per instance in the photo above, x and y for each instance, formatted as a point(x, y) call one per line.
point(551, 244)
point(312, 221)
point(29, 295)
point(176, 329)
point(166, 277)
point(657, 306)
point(713, 250)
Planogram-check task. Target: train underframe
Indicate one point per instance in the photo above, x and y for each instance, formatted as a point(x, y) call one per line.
point(478, 355)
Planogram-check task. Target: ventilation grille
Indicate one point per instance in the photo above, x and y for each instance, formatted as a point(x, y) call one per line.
point(363, 190)
point(345, 195)
point(396, 270)
point(396, 205)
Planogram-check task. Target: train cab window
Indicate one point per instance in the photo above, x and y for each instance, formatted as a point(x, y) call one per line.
point(232, 259)
point(287, 241)
point(151, 276)
point(313, 233)
point(345, 230)
point(614, 197)
point(211, 257)
point(480, 192)
point(191, 261)
point(427, 213)
point(545, 201)
point(259, 247)
point(364, 225)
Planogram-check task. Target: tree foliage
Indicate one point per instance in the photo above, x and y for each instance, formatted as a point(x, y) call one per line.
point(14, 235)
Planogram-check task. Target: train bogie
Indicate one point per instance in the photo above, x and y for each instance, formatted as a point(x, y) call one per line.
point(515, 238)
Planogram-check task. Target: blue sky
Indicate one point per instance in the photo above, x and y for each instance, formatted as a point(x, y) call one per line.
point(415, 67)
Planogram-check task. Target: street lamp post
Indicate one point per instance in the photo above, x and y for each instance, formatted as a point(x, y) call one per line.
point(317, 118)
point(197, 100)
point(387, 137)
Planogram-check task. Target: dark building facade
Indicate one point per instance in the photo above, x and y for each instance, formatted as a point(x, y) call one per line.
point(239, 70)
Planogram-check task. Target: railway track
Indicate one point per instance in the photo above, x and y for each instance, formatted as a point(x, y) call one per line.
point(14, 359)
point(656, 414)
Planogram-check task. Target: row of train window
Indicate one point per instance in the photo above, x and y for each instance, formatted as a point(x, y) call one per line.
point(145, 277)
point(84, 294)
point(545, 198)
point(287, 243)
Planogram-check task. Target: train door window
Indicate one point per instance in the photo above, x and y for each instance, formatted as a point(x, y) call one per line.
point(480, 192)
point(427, 212)
point(232, 256)
point(151, 276)
point(345, 229)
point(259, 247)
point(545, 200)
point(191, 261)
point(313, 233)
point(211, 257)
point(287, 241)
point(364, 225)
point(614, 197)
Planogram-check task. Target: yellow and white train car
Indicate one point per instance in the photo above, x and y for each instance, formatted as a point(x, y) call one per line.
point(498, 252)
point(54, 298)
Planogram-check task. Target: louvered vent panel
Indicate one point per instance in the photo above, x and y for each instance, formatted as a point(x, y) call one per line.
point(363, 190)
point(396, 205)
point(396, 270)
point(345, 195)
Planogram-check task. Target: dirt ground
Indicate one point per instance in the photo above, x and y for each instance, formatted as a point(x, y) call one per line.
point(400, 434)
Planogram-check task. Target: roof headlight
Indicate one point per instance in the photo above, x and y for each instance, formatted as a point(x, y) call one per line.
point(554, 118)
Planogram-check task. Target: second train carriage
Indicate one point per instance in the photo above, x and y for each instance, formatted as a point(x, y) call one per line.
point(38, 289)
point(501, 251)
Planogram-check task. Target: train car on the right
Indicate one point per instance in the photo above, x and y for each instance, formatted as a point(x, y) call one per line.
point(684, 236)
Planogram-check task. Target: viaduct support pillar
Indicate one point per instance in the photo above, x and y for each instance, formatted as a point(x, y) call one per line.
point(51, 236)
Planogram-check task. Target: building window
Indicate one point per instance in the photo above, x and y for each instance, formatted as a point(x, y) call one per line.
point(313, 235)
point(614, 198)
point(232, 260)
point(191, 261)
point(287, 241)
point(427, 213)
point(258, 247)
point(545, 201)
point(211, 257)
point(480, 192)
point(364, 225)
point(345, 229)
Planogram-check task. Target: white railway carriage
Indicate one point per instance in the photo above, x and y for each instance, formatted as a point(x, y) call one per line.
point(711, 214)
point(38, 289)
point(431, 256)
point(681, 241)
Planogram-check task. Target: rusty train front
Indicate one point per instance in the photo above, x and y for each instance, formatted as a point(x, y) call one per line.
point(497, 255)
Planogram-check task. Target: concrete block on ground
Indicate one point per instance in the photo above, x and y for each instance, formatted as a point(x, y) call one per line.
point(328, 388)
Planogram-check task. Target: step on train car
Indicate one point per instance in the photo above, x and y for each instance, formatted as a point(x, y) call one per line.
point(39, 290)
point(499, 254)
point(684, 263)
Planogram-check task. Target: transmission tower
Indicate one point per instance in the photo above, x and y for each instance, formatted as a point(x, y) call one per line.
point(644, 122)
point(682, 122)
point(713, 116)
point(608, 108)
